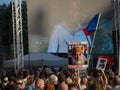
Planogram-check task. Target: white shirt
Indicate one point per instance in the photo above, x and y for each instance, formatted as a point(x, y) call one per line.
point(61, 37)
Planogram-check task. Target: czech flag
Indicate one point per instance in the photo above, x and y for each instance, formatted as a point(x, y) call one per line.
point(92, 25)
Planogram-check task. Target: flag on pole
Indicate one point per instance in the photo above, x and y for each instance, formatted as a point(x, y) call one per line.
point(92, 25)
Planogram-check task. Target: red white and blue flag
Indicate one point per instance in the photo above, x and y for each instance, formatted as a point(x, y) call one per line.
point(93, 25)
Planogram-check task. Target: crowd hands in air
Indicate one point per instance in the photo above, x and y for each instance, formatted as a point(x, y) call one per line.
point(61, 79)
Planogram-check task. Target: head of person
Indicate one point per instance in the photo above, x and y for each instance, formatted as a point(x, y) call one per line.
point(19, 83)
point(53, 79)
point(84, 81)
point(116, 81)
point(30, 80)
point(78, 54)
point(39, 84)
point(5, 79)
point(74, 10)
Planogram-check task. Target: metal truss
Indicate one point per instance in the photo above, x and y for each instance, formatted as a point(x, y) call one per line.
point(116, 28)
point(17, 35)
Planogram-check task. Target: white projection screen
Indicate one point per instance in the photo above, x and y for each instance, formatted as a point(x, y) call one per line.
point(43, 15)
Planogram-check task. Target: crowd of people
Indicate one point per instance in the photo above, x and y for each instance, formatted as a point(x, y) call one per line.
point(58, 79)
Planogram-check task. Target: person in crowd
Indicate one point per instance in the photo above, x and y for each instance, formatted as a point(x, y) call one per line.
point(39, 84)
point(11, 84)
point(53, 80)
point(116, 83)
point(30, 83)
point(100, 80)
point(5, 83)
point(19, 84)
point(68, 76)
point(25, 76)
point(67, 80)
point(77, 82)
point(43, 73)
point(0, 84)
point(84, 83)
point(62, 83)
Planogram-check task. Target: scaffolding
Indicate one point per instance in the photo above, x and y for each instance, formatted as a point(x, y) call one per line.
point(116, 28)
point(17, 35)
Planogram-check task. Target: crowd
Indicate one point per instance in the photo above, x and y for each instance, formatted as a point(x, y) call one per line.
point(61, 79)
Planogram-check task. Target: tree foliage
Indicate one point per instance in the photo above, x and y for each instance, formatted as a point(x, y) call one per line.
point(6, 31)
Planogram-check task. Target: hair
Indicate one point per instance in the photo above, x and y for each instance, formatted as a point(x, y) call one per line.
point(25, 74)
point(53, 78)
point(30, 80)
point(12, 79)
point(78, 49)
point(61, 77)
point(84, 80)
point(100, 84)
point(38, 80)
point(116, 80)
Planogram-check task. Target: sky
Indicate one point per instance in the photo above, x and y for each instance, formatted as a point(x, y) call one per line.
point(4, 1)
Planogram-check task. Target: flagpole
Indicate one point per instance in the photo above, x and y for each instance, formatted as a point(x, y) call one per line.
point(91, 48)
point(93, 41)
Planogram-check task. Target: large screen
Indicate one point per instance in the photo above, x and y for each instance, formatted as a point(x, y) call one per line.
point(54, 23)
